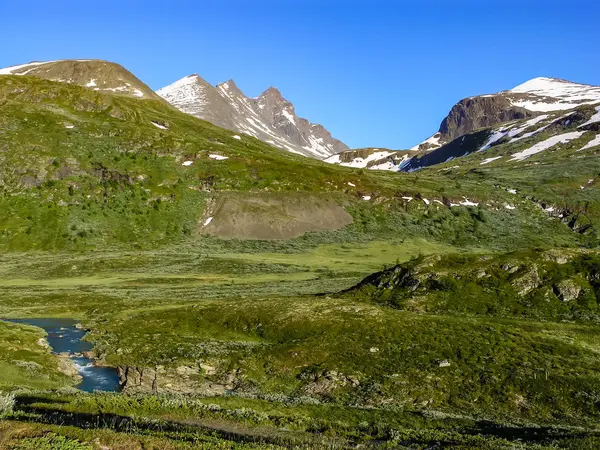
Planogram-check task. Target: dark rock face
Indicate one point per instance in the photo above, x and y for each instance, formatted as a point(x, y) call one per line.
point(480, 112)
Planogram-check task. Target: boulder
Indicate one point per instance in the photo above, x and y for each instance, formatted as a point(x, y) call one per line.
point(567, 290)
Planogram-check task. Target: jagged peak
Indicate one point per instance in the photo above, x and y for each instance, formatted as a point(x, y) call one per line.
point(228, 85)
point(272, 91)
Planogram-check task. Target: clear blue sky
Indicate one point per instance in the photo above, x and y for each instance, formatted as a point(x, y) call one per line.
point(375, 73)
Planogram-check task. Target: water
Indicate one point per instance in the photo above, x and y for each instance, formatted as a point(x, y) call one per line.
point(63, 337)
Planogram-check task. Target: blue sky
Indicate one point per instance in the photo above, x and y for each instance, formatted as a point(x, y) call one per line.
point(375, 73)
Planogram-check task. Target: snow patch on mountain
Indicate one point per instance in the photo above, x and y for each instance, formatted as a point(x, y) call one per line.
point(489, 160)
point(551, 94)
point(595, 118)
point(430, 143)
point(593, 143)
point(544, 145)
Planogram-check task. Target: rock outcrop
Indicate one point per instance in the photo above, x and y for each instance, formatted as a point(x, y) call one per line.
point(479, 112)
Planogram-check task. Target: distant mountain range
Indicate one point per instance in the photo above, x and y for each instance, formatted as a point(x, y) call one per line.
point(269, 117)
point(477, 123)
point(272, 119)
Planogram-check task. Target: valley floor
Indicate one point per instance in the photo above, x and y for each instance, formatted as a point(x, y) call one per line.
point(239, 348)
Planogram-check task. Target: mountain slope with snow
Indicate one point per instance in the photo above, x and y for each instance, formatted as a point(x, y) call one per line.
point(268, 117)
point(532, 98)
point(93, 74)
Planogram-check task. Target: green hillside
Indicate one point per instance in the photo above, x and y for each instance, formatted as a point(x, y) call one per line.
point(253, 298)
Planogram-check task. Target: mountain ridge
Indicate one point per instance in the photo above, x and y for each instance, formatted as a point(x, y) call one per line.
point(533, 97)
point(269, 117)
point(96, 74)
point(479, 122)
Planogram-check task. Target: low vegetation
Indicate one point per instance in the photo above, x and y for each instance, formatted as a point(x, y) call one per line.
point(459, 308)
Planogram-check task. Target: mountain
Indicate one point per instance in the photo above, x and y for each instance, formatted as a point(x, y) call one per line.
point(531, 113)
point(268, 117)
point(527, 100)
point(94, 74)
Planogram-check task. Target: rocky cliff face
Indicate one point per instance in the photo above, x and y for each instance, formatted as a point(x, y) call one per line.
point(94, 74)
point(196, 379)
point(268, 117)
point(479, 112)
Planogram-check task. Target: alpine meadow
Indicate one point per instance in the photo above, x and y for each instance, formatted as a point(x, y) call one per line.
point(192, 267)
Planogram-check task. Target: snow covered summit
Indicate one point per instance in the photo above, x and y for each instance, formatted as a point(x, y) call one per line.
point(551, 94)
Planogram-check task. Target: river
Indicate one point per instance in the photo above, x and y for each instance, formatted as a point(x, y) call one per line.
point(64, 337)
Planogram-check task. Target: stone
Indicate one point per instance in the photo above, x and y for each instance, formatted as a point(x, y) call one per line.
point(567, 290)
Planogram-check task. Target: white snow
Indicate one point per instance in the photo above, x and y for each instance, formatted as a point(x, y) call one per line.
point(507, 206)
point(366, 197)
point(439, 201)
point(32, 65)
point(544, 145)
point(512, 132)
point(218, 157)
point(551, 94)
point(409, 199)
point(288, 116)
point(595, 118)
point(333, 159)
point(92, 83)
point(351, 184)
point(138, 93)
point(237, 137)
point(69, 126)
point(489, 160)
point(187, 95)
point(194, 96)
point(433, 140)
point(426, 201)
point(467, 202)
point(187, 163)
point(359, 162)
point(494, 137)
point(207, 221)
point(511, 191)
point(158, 125)
point(593, 143)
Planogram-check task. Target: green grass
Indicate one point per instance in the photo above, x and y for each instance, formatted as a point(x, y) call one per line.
point(24, 362)
point(100, 223)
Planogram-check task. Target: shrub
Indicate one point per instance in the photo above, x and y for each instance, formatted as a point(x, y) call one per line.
point(7, 404)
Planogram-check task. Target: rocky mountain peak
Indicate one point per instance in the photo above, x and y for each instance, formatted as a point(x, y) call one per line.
point(228, 85)
point(271, 92)
point(268, 117)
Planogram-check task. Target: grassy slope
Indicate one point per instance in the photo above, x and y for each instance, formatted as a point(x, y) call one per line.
point(156, 292)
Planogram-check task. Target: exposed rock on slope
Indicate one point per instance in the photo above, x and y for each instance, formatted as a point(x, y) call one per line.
point(269, 117)
point(528, 283)
point(479, 112)
point(94, 74)
point(271, 216)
